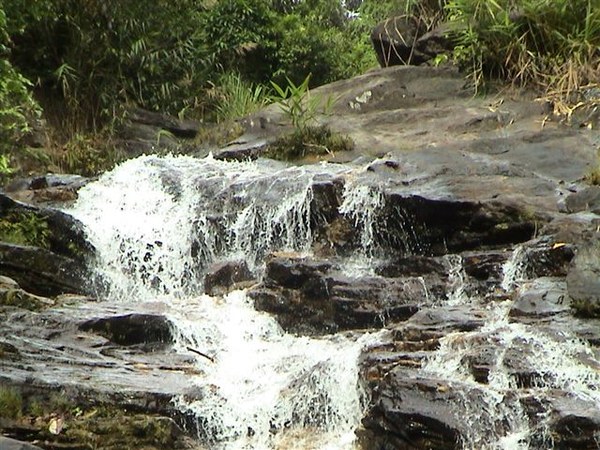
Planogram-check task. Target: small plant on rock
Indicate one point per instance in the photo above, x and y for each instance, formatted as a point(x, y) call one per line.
point(593, 177)
point(308, 137)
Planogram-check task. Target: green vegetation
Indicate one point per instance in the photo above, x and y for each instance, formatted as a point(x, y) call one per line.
point(59, 422)
point(297, 104)
point(236, 98)
point(81, 65)
point(587, 309)
point(309, 140)
point(11, 403)
point(593, 177)
point(25, 228)
point(549, 45)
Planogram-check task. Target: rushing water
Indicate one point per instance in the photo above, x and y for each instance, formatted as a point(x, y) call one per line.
point(497, 420)
point(157, 223)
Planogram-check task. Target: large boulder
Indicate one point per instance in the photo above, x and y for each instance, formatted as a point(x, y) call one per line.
point(404, 40)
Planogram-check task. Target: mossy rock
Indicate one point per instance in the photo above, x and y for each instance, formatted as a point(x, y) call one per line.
point(309, 140)
point(20, 299)
point(61, 423)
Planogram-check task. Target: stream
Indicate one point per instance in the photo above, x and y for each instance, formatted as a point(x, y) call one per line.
point(159, 223)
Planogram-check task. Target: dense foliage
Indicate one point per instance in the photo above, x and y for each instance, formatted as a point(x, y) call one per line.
point(83, 61)
point(551, 44)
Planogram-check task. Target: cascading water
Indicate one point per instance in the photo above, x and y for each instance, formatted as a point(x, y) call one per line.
point(156, 224)
point(497, 420)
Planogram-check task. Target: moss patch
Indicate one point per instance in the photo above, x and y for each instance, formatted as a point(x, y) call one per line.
point(61, 423)
point(309, 140)
point(11, 403)
point(25, 228)
point(593, 177)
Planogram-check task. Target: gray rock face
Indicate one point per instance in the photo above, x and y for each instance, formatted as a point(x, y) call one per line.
point(12, 444)
point(588, 199)
point(583, 280)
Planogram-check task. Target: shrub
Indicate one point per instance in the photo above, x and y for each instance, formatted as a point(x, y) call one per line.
point(99, 54)
point(552, 45)
point(17, 106)
point(309, 140)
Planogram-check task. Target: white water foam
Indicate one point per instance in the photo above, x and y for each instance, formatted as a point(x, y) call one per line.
point(497, 420)
point(266, 384)
point(156, 224)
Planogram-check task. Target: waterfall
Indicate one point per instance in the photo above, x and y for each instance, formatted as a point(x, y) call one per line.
point(157, 223)
point(497, 420)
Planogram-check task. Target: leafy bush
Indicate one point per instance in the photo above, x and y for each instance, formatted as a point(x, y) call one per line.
point(99, 54)
point(17, 106)
point(25, 229)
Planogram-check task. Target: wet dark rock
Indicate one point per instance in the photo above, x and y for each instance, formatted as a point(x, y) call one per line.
point(413, 266)
point(242, 150)
point(313, 296)
point(583, 280)
point(441, 226)
point(412, 413)
point(574, 423)
point(224, 277)
point(430, 323)
point(485, 266)
point(546, 258)
point(41, 271)
point(294, 272)
point(132, 329)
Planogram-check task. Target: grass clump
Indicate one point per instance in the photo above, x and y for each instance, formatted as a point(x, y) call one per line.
point(309, 140)
point(301, 109)
point(593, 177)
point(236, 97)
point(552, 45)
point(11, 403)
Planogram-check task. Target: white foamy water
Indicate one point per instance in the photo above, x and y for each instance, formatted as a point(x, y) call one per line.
point(559, 361)
point(266, 384)
point(156, 224)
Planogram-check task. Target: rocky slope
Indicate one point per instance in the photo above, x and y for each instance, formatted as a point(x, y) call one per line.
point(482, 240)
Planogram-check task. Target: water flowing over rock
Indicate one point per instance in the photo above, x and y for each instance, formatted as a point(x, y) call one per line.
point(420, 296)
